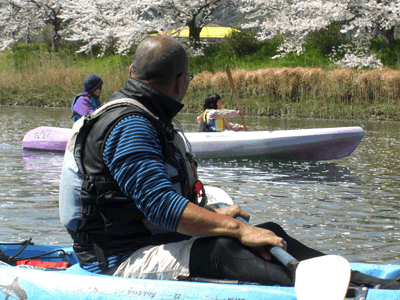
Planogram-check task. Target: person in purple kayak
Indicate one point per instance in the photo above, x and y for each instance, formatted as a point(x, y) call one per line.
point(86, 102)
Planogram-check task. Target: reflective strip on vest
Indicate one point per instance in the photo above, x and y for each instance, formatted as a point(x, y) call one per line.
point(219, 125)
point(216, 125)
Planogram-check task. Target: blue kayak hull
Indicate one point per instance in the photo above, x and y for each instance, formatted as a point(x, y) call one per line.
point(76, 283)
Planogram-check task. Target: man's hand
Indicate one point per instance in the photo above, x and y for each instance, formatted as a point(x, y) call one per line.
point(259, 239)
point(197, 221)
point(233, 212)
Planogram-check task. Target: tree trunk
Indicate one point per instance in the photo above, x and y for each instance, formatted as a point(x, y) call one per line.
point(388, 37)
point(194, 33)
point(56, 41)
point(56, 35)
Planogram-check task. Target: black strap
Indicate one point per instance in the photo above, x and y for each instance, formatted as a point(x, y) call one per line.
point(212, 280)
point(123, 214)
point(99, 252)
point(100, 257)
point(118, 213)
point(12, 260)
point(7, 259)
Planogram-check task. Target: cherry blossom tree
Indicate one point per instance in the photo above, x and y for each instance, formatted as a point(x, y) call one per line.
point(23, 18)
point(49, 11)
point(361, 20)
point(194, 14)
point(16, 23)
point(123, 23)
point(115, 24)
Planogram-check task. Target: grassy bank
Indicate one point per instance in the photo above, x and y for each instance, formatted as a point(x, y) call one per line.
point(306, 92)
point(295, 86)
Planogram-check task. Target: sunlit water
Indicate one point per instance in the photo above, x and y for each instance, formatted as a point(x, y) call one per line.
point(348, 206)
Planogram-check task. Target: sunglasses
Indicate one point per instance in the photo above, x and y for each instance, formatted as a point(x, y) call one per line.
point(188, 74)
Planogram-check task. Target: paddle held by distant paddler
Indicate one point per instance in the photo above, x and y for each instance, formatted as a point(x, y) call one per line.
point(228, 72)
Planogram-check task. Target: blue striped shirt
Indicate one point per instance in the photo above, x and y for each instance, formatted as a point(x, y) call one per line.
point(134, 157)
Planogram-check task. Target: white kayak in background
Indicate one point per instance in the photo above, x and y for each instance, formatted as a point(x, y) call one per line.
point(297, 144)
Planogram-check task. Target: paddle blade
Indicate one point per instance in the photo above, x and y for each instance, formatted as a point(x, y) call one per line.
point(326, 277)
point(217, 195)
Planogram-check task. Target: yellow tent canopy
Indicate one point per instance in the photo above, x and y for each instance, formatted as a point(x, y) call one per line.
point(206, 32)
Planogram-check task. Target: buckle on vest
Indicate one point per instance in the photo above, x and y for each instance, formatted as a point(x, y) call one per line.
point(89, 210)
point(83, 237)
point(87, 185)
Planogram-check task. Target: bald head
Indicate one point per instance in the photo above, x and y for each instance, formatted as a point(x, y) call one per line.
point(159, 60)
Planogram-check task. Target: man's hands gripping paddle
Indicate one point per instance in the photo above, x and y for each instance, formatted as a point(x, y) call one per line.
point(257, 238)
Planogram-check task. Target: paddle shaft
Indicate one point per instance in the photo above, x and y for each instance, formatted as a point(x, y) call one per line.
point(228, 72)
point(324, 277)
point(116, 85)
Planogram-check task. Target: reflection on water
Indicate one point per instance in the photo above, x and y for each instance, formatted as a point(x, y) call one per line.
point(348, 206)
point(322, 203)
point(47, 165)
point(285, 171)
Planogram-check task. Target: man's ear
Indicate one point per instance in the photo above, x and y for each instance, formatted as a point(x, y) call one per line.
point(180, 83)
point(130, 69)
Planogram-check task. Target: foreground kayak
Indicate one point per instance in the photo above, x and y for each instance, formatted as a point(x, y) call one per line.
point(65, 279)
point(299, 144)
point(28, 282)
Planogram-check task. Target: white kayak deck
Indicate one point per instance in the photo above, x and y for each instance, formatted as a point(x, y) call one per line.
point(300, 144)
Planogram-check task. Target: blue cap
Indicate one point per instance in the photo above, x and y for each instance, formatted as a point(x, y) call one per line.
point(91, 83)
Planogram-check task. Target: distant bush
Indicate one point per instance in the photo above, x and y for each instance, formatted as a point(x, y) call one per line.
point(326, 39)
point(390, 56)
point(305, 85)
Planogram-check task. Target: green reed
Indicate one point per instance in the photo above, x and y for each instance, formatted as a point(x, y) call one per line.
point(39, 77)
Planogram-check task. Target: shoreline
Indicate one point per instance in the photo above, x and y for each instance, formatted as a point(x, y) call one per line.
point(342, 94)
point(370, 119)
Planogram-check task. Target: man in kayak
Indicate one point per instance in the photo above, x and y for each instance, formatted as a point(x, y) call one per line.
point(86, 102)
point(214, 116)
point(129, 191)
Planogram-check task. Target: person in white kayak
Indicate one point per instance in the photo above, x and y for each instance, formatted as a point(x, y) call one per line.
point(214, 116)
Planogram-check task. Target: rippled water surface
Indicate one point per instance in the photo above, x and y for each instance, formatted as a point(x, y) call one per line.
point(348, 206)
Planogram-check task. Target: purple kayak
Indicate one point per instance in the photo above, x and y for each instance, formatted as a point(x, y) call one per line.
point(299, 144)
point(52, 139)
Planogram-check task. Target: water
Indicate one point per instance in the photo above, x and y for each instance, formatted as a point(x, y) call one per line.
point(348, 206)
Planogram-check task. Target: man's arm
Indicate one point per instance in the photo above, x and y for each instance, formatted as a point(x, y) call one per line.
point(134, 157)
point(198, 221)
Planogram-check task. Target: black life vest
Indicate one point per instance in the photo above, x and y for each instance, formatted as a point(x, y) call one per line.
point(111, 222)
